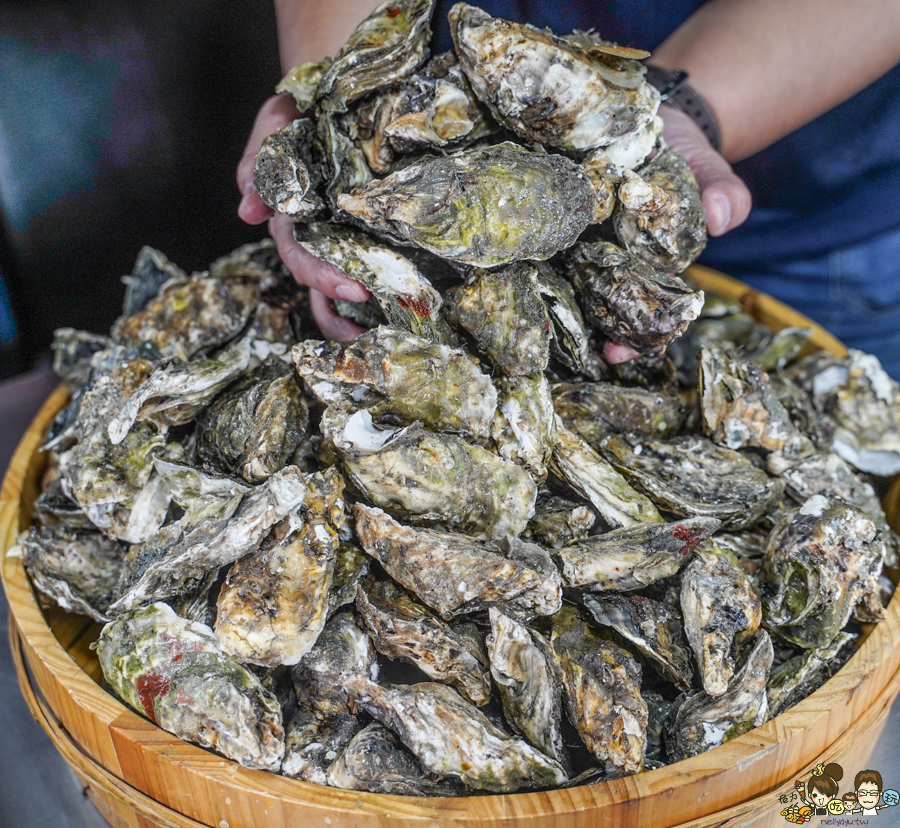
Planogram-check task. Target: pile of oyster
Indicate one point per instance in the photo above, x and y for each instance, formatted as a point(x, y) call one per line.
point(462, 552)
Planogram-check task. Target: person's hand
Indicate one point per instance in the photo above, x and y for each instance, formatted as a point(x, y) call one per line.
point(324, 281)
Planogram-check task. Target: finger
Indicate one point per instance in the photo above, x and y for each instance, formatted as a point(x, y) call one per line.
point(725, 197)
point(615, 354)
point(310, 270)
point(277, 112)
point(330, 322)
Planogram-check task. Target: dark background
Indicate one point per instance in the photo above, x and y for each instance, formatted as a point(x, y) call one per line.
point(121, 124)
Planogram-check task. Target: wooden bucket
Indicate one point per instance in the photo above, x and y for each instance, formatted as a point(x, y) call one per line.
point(140, 776)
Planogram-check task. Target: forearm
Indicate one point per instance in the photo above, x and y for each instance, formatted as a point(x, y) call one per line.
point(766, 67)
point(309, 30)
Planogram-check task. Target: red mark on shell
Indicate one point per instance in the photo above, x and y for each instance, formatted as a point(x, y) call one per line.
point(393, 11)
point(688, 538)
point(151, 686)
point(418, 306)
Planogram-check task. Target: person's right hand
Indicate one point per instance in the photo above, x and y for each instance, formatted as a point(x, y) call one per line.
point(324, 281)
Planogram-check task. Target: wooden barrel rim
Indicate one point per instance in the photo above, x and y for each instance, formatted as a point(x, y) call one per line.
point(741, 770)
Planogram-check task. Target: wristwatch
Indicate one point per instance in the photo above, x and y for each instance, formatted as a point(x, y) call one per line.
point(674, 90)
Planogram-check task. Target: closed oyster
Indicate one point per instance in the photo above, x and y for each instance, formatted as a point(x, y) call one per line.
point(702, 722)
point(780, 350)
point(524, 668)
point(78, 569)
point(451, 573)
point(629, 301)
point(376, 760)
point(152, 269)
point(569, 339)
point(558, 522)
point(140, 517)
point(653, 628)
point(553, 90)
point(302, 82)
point(351, 565)
point(739, 408)
point(54, 507)
point(367, 122)
point(72, 354)
point(660, 218)
point(387, 46)
point(721, 611)
point(397, 375)
point(822, 560)
point(547, 598)
point(575, 462)
point(253, 427)
point(283, 174)
point(450, 737)
point(602, 687)
point(691, 476)
point(483, 207)
point(344, 164)
point(402, 628)
point(593, 409)
point(630, 558)
point(436, 478)
point(404, 295)
point(171, 670)
point(524, 428)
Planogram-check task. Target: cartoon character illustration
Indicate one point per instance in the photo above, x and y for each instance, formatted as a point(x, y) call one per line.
point(868, 786)
point(823, 787)
point(849, 800)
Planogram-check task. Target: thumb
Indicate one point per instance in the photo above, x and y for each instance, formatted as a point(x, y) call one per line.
point(725, 197)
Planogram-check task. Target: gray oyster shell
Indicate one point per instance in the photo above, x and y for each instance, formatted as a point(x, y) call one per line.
point(302, 82)
point(402, 628)
point(524, 668)
point(629, 301)
point(659, 217)
point(702, 722)
point(553, 90)
point(54, 507)
point(822, 560)
point(283, 174)
point(72, 354)
point(367, 123)
point(569, 338)
point(351, 565)
point(344, 165)
point(546, 599)
point(652, 627)
point(557, 522)
point(483, 207)
point(721, 611)
point(450, 737)
point(171, 670)
point(152, 269)
point(691, 476)
point(602, 690)
point(524, 427)
point(632, 557)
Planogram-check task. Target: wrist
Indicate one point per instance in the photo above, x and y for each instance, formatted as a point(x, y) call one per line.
point(677, 93)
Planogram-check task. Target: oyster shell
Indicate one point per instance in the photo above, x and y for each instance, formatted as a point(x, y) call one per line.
point(550, 89)
point(634, 556)
point(152, 269)
point(691, 476)
point(702, 722)
point(659, 217)
point(569, 340)
point(653, 628)
point(528, 677)
point(544, 600)
point(54, 507)
point(721, 611)
point(483, 207)
point(72, 354)
point(302, 82)
point(629, 301)
point(451, 573)
point(344, 164)
point(367, 122)
point(450, 737)
point(822, 560)
point(402, 628)
point(171, 670)
point(283, 174)
point(140, 517)
point(558, 522)
point(602, 689)
point(351, 565)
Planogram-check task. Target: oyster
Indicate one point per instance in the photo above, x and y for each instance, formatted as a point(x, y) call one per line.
point(822, 560)
point(253, 427)
point(302, 82)
point(546, 599)
point(436, 478)
point(524, 427)
point(72, 354)
point(171, 670)
point(54, 507)
point(386, 47)
point(550, 89)
point(404, 295)
point(451, 573)
point(483, 207)
point(602, 689)
point(140, 517)
point(344, 164)
point(558, 522)
point(691, 476)
point(524, 669)
point(702, 722)
point(402, 628)
point(78, 569)
point(397, 375)
point(780, 350)
point(653, 628)
point(721, 612)
point(659, 218)
point(450, 737)
point(739, 408)
point(629, 301)
point(152, 270)
point(283, 174)
point(569, 340)
point(376, 760)
point(593, 478)
point(632, 557)
point(351, 565)
point(367, 123)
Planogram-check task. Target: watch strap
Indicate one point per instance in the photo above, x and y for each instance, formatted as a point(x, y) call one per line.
point(674, 90)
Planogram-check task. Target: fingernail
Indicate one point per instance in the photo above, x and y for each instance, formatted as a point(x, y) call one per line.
point(719, 214)
point(249, 191)
point(350, 293)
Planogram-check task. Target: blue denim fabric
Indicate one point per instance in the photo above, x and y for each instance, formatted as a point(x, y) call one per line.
point(853, 291)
